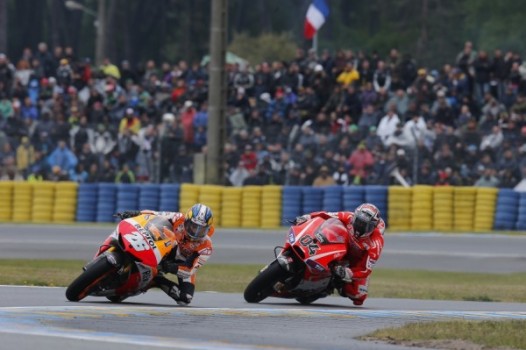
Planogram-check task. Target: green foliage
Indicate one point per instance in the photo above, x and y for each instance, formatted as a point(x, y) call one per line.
point(433, 31)
point(265, 47)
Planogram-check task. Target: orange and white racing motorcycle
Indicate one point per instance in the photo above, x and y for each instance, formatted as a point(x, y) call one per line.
point(128, 260)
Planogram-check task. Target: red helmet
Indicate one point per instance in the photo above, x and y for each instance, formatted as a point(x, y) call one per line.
point(365, 219)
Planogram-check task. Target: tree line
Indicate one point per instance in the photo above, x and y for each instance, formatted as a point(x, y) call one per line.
point(433, 31)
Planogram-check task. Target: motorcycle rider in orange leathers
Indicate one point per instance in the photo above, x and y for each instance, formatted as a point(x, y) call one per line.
point(366, 230)
point(194, 248)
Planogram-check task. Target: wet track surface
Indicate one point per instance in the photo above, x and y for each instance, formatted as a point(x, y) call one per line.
point(33, 317)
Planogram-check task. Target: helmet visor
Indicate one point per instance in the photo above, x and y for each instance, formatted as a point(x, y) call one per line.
point(362, 226)
point(195, 231)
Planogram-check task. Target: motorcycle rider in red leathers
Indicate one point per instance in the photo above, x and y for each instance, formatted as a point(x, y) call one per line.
point(366, 230)
point(193, 230)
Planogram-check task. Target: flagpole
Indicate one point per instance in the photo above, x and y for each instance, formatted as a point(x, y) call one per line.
point(315, 43)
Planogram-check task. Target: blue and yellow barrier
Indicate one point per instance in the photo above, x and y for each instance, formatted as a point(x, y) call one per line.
point(417, 208)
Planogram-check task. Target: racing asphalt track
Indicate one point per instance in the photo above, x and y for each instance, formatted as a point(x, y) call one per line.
point(33, 317)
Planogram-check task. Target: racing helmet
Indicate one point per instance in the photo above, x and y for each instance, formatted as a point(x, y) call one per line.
point(365, 219)
point(197, 221)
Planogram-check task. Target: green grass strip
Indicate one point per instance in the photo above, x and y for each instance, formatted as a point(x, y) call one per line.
point(385, 283)
point(502, 334)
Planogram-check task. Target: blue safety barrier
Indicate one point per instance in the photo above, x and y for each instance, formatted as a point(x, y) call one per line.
point(520, 223)
point(506, 209)
point(87, 195)
point(353, 196)
point(127, 197)
point(332, 198)
point(291, 197)
point(312, 199)
point(169, 197)
point(106, 202)
point(149, 197)
point(377, 195)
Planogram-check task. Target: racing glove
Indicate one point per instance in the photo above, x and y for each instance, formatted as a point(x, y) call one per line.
point(170, 266)
point(301, 219)
point(343, 273)
point(127, 214)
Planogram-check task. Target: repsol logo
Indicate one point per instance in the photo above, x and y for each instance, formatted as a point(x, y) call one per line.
point(146, 234)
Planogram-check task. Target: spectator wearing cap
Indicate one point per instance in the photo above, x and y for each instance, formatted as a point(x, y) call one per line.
point(45, 91)
point(323, 178)
point(64, 73)
point(130, 122)
point(277, 106)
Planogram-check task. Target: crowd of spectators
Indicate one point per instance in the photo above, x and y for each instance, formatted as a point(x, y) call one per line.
point(344, 118)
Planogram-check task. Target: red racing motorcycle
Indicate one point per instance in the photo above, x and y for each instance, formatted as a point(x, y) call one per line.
point(127, 262)
point(303, 267)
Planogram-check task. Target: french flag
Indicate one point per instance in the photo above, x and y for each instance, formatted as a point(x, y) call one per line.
point(316, 14)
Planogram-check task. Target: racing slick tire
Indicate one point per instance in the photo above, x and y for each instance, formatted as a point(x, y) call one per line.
point(262, 285)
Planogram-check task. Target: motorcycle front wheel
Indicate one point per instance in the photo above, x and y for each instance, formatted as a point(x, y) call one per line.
point(262, 286)
point(96, 272)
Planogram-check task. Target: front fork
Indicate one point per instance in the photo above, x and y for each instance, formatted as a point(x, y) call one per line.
point(112, 255)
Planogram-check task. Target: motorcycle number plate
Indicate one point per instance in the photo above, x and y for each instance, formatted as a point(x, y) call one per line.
point(137, 241)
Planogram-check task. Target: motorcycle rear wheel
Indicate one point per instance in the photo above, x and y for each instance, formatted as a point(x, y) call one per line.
point(262, 286)
point(87, 280)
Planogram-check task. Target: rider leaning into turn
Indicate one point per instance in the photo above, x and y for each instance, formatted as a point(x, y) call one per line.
point(366, 230)
point(192, 252)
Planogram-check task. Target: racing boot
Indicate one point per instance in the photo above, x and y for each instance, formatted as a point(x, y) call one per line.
point(169, 287)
